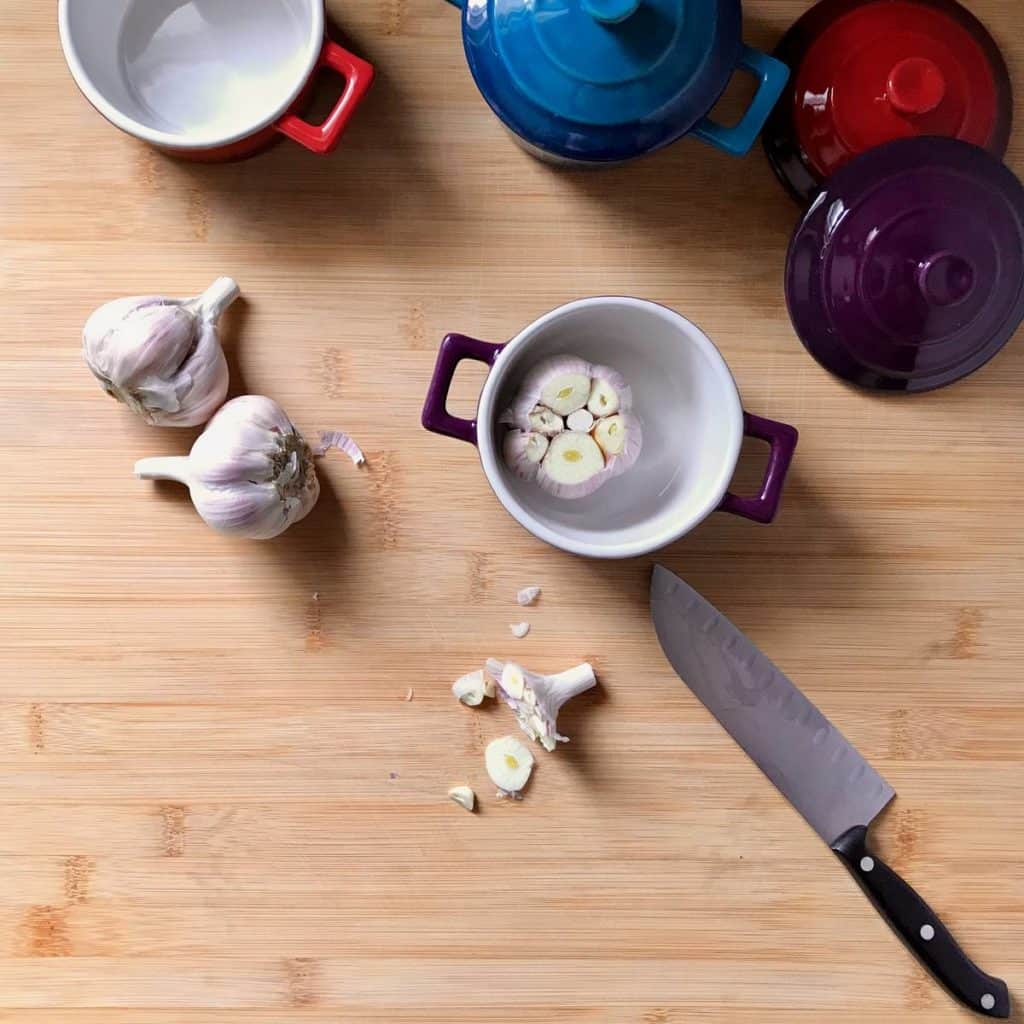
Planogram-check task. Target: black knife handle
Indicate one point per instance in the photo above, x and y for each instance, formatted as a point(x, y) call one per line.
point(920, 928)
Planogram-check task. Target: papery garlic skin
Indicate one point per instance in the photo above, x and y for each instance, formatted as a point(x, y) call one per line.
point(162, 357)
point(250, 473)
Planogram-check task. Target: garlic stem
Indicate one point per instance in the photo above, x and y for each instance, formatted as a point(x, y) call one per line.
point(216, 298)
point(164, 467)
point(573, 681)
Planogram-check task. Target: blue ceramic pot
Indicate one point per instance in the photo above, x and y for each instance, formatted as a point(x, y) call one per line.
point(602, 81)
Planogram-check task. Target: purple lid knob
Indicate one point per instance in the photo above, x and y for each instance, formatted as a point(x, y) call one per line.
point(907, 272)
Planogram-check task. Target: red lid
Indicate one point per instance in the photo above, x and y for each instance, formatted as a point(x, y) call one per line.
point(867, 72)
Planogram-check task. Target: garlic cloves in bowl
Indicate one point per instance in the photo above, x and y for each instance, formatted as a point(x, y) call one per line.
point(162, 357)
point(571, 427)
point(250, 473)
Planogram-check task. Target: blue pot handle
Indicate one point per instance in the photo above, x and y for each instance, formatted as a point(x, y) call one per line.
point(737, 140)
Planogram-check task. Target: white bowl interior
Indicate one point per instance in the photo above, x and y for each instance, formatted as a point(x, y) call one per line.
point(198, 71)
point(687, 402)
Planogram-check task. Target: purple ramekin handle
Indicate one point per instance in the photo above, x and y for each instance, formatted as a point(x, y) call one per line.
point(454, 349)
point(782, 439)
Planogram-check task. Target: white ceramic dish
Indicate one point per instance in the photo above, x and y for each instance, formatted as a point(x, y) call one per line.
point(685, 397)
point(204, 75)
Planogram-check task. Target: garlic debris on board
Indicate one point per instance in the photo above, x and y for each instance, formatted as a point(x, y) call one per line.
point(463, 796)
point(509, 764)
point(250, 473)
point(571, 427)
point(528, 595)
point(537, 699)
point(519, 629)
point(160, 356)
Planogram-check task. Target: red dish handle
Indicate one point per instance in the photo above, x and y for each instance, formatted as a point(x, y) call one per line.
point(323, 138)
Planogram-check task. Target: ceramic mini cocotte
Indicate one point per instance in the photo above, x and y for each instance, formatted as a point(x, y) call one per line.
point(209, 80)
point(685, 397)
point(602, 81)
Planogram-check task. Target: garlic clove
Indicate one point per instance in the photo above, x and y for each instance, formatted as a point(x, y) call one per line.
point(463, 796)
point(546, 422)
point(471, 688)
point(543, 385)
point(161, 356)
point(581, 420)
point(250, 473)
point(509, 764)
point(510, 677)
point(523, 453)
point(572, 467)
point(609, 392)
point(621, 439)
point(567, 391)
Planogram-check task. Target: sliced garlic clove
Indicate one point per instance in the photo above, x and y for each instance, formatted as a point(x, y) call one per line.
point(523, 453)
point(471, 688)
point(609, 392)
point(567, 391)
point(463, 796)
point(572, 467)
point(546, 422)
point(512, 679)
point(621, 438)
point(610, 434)
point(528, 595)
point(581, 420)
point(519, 629)
point(509, 764)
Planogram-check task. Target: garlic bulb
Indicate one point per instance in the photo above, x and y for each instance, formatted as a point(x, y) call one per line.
point(571, 428)
point(250, 473)
point(162, 357)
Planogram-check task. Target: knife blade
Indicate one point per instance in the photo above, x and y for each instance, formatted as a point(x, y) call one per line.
point(814, 766)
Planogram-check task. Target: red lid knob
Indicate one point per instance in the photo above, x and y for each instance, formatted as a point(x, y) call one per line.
point(915, 85)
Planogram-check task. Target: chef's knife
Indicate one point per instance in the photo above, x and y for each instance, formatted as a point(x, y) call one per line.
point(815, 768)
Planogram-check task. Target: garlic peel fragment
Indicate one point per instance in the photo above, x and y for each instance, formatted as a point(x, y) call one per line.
point(250, 473)
point(463, 796)
point(339, 439)
point(162, 357)
point(519, 629)
point(528, 595)
point(509, 764)
point(536, 699)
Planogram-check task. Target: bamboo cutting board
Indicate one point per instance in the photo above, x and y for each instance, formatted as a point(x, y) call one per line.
point(216, 804)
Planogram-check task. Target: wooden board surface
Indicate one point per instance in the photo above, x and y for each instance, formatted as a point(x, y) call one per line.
point(216, 806)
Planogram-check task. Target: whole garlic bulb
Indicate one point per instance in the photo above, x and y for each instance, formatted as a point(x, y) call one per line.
point(160, 356)
point(250, 473)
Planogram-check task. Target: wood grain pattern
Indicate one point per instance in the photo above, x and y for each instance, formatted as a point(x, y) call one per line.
point(216, 806)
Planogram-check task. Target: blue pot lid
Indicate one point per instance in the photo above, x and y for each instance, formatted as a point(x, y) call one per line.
point(601, 79)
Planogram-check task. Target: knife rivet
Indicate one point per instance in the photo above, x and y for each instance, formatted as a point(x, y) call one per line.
point(927, 932)
point(988, 1001)
point(867, 863)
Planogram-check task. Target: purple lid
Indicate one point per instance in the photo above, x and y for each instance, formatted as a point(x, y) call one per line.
point(907, 272)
